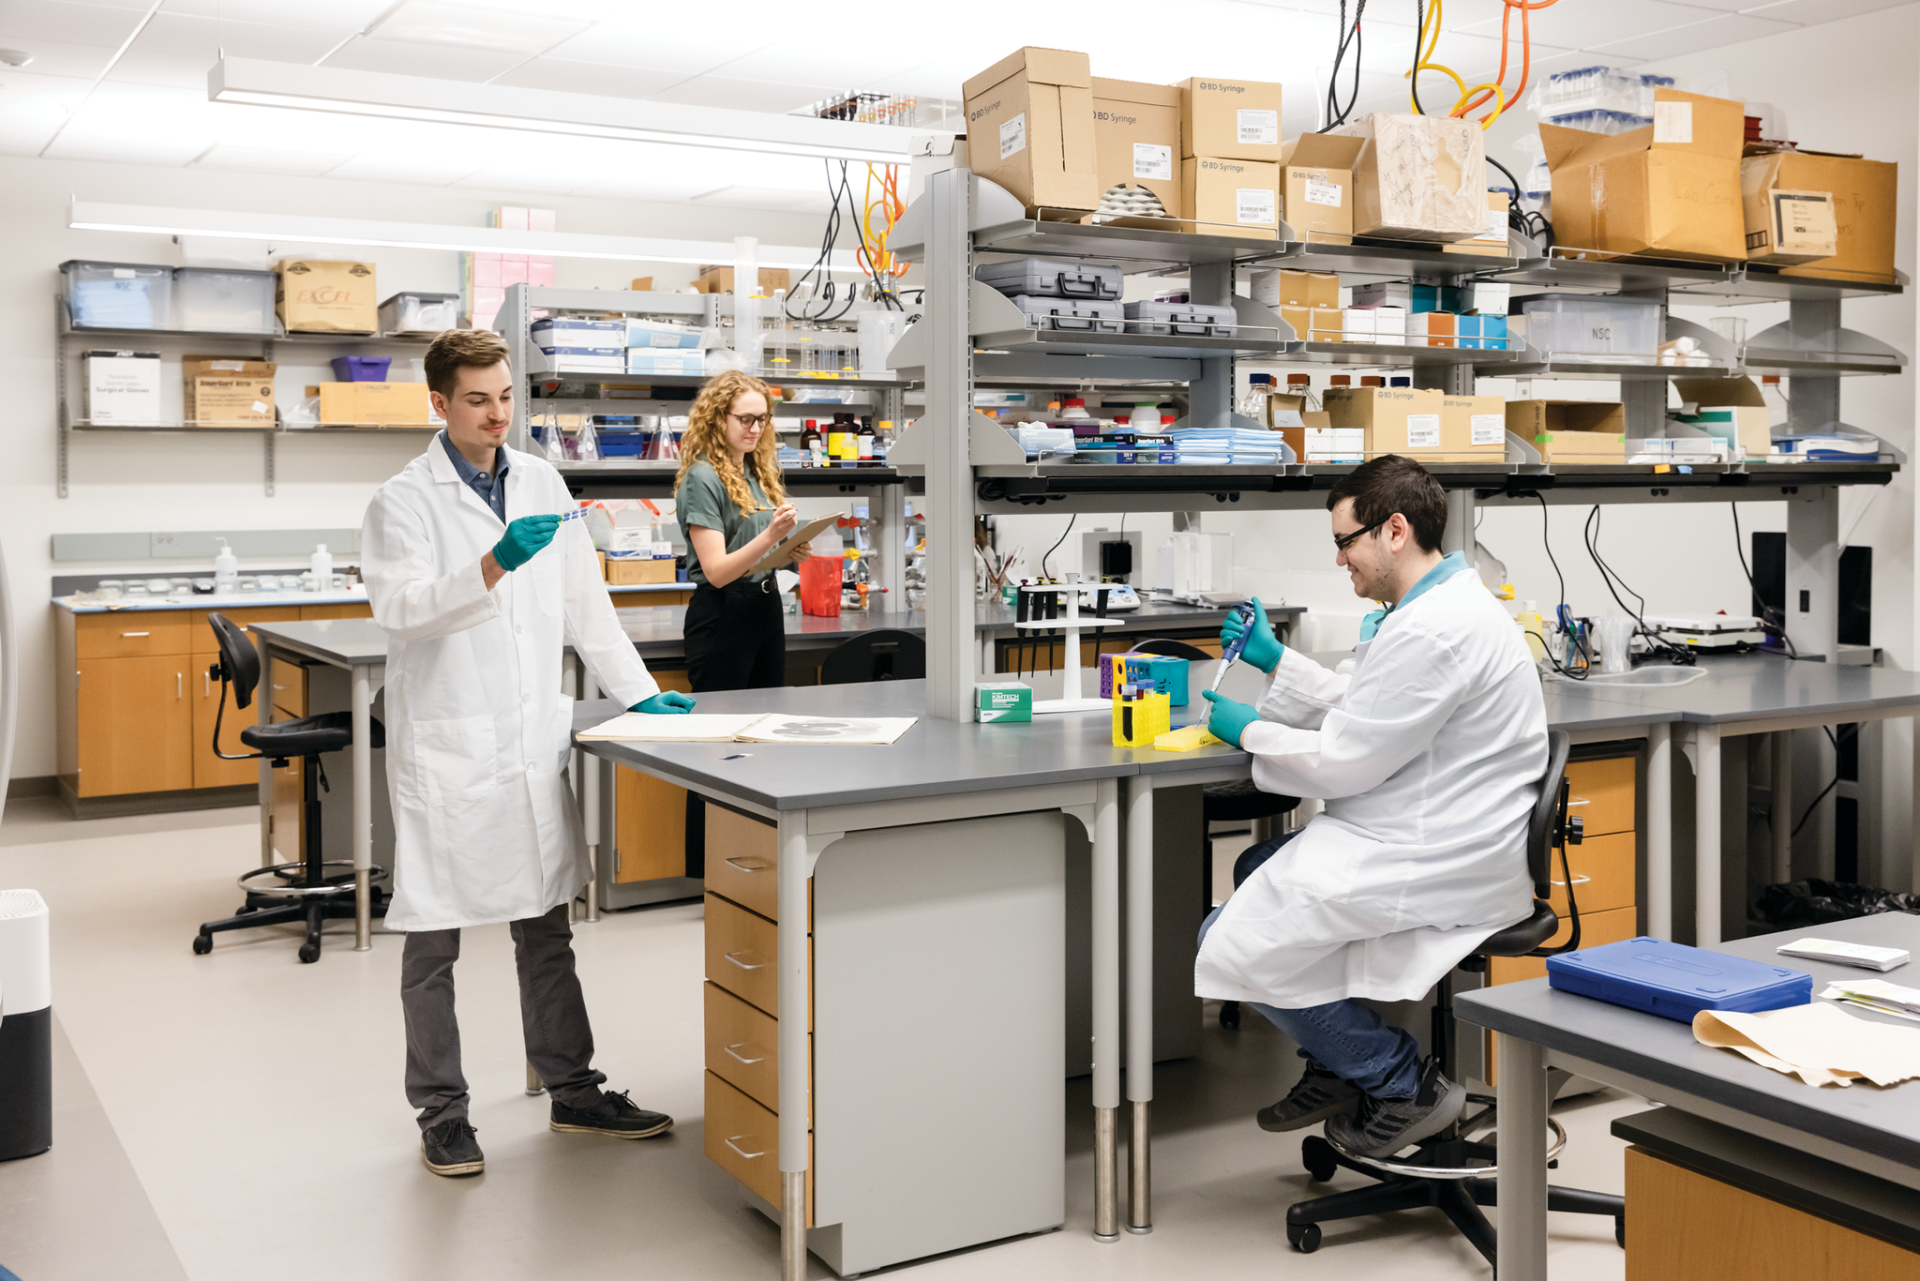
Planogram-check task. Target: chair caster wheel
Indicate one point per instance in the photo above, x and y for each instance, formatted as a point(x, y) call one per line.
point(1230, 1014)
point(1620, 1230)
point(202, 944)
point(1305, 1238)
point(1318, 1157)
point(309, 953)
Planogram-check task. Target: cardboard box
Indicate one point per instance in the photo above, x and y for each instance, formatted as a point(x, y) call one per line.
point(1289, 415)
point(1030, 129)
point(719, 280)
point(385, 404)
point(1230, 119)
point(642, 284)
point(1865, 207)
point(1431, 329)
point(221, 391)
point(1571, 431)
point(635, 571)
point(1473, 429)
point(1785, 228)
point(1492, 242)
point(1392, 420)
point(1309, 289)
point(318, 296)
point(1418, 177)
point(1316, 324)
point(1136, 141)
point(1670, 190)
point(123, 387)
point(1730, 409)
point(1356, 325)
point(1231, 197)
point(1316, 187)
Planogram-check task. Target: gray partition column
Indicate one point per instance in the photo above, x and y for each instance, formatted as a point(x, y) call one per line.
point(949, 515)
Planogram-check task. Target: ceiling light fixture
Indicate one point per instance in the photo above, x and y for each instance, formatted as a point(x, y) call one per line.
point(304, 229)
point(371, 93)
point(15, 57)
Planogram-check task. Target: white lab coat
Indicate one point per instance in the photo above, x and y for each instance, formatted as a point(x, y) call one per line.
point(1429, 758)
point(478, 732)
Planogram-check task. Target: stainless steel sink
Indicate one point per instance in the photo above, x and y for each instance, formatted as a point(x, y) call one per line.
point(1663, 676)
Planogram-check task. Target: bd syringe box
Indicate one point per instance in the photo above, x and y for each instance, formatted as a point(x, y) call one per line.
point(123, 387)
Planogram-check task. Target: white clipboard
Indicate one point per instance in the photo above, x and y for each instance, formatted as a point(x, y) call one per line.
point(784, 552)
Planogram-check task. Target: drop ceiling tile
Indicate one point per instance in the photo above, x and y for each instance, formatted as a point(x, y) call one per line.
point(401, 57)
point(519, 179)
point(745, 95)
point(1584, 26)
point(139, 66)
point(75, 144)
point(679, 38)
point(187, 35)
point(1727, 29)
point(278, 160)
point(1812, 11)
point(423, 168)
point(590, 77)
point(341, 17)
point(26, 22)
point(60, 58)
point(778, 199)
point(451, 24)
point(643, 186)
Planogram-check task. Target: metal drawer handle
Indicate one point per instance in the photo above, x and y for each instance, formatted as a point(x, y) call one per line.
point(136, 633)
point(736, 1054)
point(749, 864)
point(1578, 880)
point(1579, 800)
point(735, 958)
point(737, 1148)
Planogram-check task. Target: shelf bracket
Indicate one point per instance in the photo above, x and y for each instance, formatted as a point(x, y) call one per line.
point(269, 438)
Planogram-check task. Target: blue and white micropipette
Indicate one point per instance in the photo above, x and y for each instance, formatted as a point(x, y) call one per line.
point(1230, 652)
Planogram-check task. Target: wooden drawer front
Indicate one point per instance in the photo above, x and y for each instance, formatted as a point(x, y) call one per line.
point(743, 860)
point(1595, 928)
point(743, 1139)
point(132, 635)
point(1602, 794)
point(1607, 864)
point(741, 953)
point(743, 1046)
point(290, 689)
point(202, 638)
point(312, 613)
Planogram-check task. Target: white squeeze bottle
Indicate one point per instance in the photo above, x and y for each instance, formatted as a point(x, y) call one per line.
point(226, 570)
point(322, 567)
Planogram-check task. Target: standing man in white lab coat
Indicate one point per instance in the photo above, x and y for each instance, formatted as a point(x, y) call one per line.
point(1429, 757)
point(477, 582)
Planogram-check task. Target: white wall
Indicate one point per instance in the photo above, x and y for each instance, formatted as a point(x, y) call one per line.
point(121, 481)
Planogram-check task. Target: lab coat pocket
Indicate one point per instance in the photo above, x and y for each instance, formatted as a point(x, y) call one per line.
point(549, 577)
point(563, 732)
point(455, 761)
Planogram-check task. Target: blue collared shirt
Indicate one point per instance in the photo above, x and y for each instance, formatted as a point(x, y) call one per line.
point(491, 486)
point(1450, 564)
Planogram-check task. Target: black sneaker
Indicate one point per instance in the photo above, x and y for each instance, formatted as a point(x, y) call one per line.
point(614, 1116)
point(450, 1150)
point(1316, 1096)
point(1381, 1127)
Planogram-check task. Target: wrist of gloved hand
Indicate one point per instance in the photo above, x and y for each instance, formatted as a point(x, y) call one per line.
point(1229, 719)
point(668, 702)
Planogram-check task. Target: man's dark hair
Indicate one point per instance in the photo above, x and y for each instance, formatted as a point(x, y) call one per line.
point(1382, 486)
point(457, 349)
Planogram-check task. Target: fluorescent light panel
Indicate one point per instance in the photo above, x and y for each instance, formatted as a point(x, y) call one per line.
point(87, 215)
point(371, 93)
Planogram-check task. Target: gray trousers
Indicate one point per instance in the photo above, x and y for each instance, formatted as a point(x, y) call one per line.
point(553, 1017)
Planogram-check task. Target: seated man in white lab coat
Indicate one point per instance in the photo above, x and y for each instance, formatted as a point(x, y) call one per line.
point(477, 578)
point(1429, 758)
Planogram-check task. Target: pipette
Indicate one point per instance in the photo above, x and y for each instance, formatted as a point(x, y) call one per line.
point(1230, 652)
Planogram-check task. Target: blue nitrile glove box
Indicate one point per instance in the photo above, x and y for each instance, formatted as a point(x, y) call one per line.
point(1676, 981)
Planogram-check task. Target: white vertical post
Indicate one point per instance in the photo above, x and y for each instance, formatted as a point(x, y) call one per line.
point(362, 808)
point(1106, 1006)
point(746, 306)
point(263, 715)
point(949, 479)
point(1139, 791)
point(1706, 837)
point(1812, 614)
point(1660, 831)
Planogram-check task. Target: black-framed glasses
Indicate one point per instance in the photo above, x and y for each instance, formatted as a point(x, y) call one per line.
point(1341, 542)
point(751, 420)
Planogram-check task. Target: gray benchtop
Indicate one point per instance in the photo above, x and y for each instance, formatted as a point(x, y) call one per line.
point(1885, 1122)
point(344, 642)
point(1764, 686)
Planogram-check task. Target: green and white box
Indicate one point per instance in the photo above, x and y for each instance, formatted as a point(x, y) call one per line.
point(1003, 701)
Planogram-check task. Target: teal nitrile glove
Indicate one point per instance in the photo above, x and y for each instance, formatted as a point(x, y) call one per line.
point(1263, 647)
point(1228, 720)
point(523, 539)
point(668, 702)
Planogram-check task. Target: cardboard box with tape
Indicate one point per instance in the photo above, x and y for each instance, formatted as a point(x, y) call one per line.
point(1315, 324)
point(1571, 431)
point(1316, 187)
point(1136, 140)
point(1391, 420)
point(1030, 129)
point(1669, 190)
point(1865, 211)
point(1492, 240)
point(1230, 119)
point(373, 404)
point(221, 391)
point(1473, 429)
point(1418, 177)
point(1231, 197)
point(719, 280)
point(319, 296)
point(1729, 409)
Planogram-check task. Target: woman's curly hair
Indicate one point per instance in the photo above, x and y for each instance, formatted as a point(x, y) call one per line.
point(706, 441)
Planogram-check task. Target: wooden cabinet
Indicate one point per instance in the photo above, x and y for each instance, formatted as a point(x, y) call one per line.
point(135, 720)
point(649, 816)
point(313, 613)
point(289, 817)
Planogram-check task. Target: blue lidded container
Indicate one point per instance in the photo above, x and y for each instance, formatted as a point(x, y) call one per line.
point(1676, 981)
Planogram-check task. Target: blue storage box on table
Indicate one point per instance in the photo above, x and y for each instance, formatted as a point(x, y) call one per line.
point(1676, 981)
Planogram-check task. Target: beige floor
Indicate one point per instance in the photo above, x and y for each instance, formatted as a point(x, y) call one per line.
point(258, 1103)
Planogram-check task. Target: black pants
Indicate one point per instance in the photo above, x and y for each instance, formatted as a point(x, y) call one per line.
point(736, 639)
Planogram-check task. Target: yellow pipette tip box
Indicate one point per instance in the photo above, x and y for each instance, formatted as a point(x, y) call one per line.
point(1184, 739)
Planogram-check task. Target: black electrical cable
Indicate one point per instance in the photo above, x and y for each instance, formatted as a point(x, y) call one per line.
point(1419, 38)
point(1056, 545)
point(1571, 673)
point(1349, 37)
point(1609, 575)
point(1773, 627)
point(1849, 732)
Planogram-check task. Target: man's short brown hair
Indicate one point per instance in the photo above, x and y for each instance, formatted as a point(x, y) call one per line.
point(457, 349)
point(1382, 486)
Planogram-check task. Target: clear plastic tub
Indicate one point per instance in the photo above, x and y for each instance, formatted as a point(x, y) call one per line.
point(417, 313)
point(119, 295)
point(1624, 327)
point(223, 300)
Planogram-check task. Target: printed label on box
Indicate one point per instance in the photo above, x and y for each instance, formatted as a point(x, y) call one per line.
point(1013, 136)
point(1488, 429)
point(1322, 192)
point(1497, 225)
point(1423, 431)
point(1673, 122)
point(1150, 161)
point(1258, 128)
point(1253, 204)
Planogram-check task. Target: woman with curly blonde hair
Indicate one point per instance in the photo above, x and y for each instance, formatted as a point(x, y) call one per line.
point(733, 510)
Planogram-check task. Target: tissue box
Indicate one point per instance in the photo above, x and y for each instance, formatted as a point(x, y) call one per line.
point(1002, 701)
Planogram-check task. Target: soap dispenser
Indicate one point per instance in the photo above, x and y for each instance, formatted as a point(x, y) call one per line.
point(322, 568)
point(226, 571)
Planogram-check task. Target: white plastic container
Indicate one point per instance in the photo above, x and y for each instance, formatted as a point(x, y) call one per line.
point(1625, 327)
point(26, 1053)
point(321, 567)
point(226, 571)
point(223, 300)
point(417, 313)
point(119, 295)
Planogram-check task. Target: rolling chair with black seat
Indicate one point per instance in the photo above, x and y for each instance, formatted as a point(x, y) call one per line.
point(885, 655)
point(1236, 802)
point(286, 893)
point(1451, 1171)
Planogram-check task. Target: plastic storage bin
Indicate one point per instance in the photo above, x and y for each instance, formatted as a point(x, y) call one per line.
point(361, 369)
point(1676, 981)
point(119, 295)
point(1193, 319)
point(1594, 326)
point(416, 313)
point(1082, 315)
point(1040, 278)
point(223, 300)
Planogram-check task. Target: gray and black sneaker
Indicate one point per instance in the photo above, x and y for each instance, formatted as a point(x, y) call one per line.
point(1316, 1096)
point(614, 1116)
point(450, 1150)
point(1381, 1127)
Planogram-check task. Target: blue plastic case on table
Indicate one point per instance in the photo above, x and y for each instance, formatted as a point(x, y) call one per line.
point(1676, 981)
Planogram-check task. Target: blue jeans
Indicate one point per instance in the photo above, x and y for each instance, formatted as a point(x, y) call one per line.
point(1347, 1037)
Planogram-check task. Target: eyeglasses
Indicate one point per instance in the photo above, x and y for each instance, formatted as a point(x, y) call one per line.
point(751, 421)
point(1341, 542)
